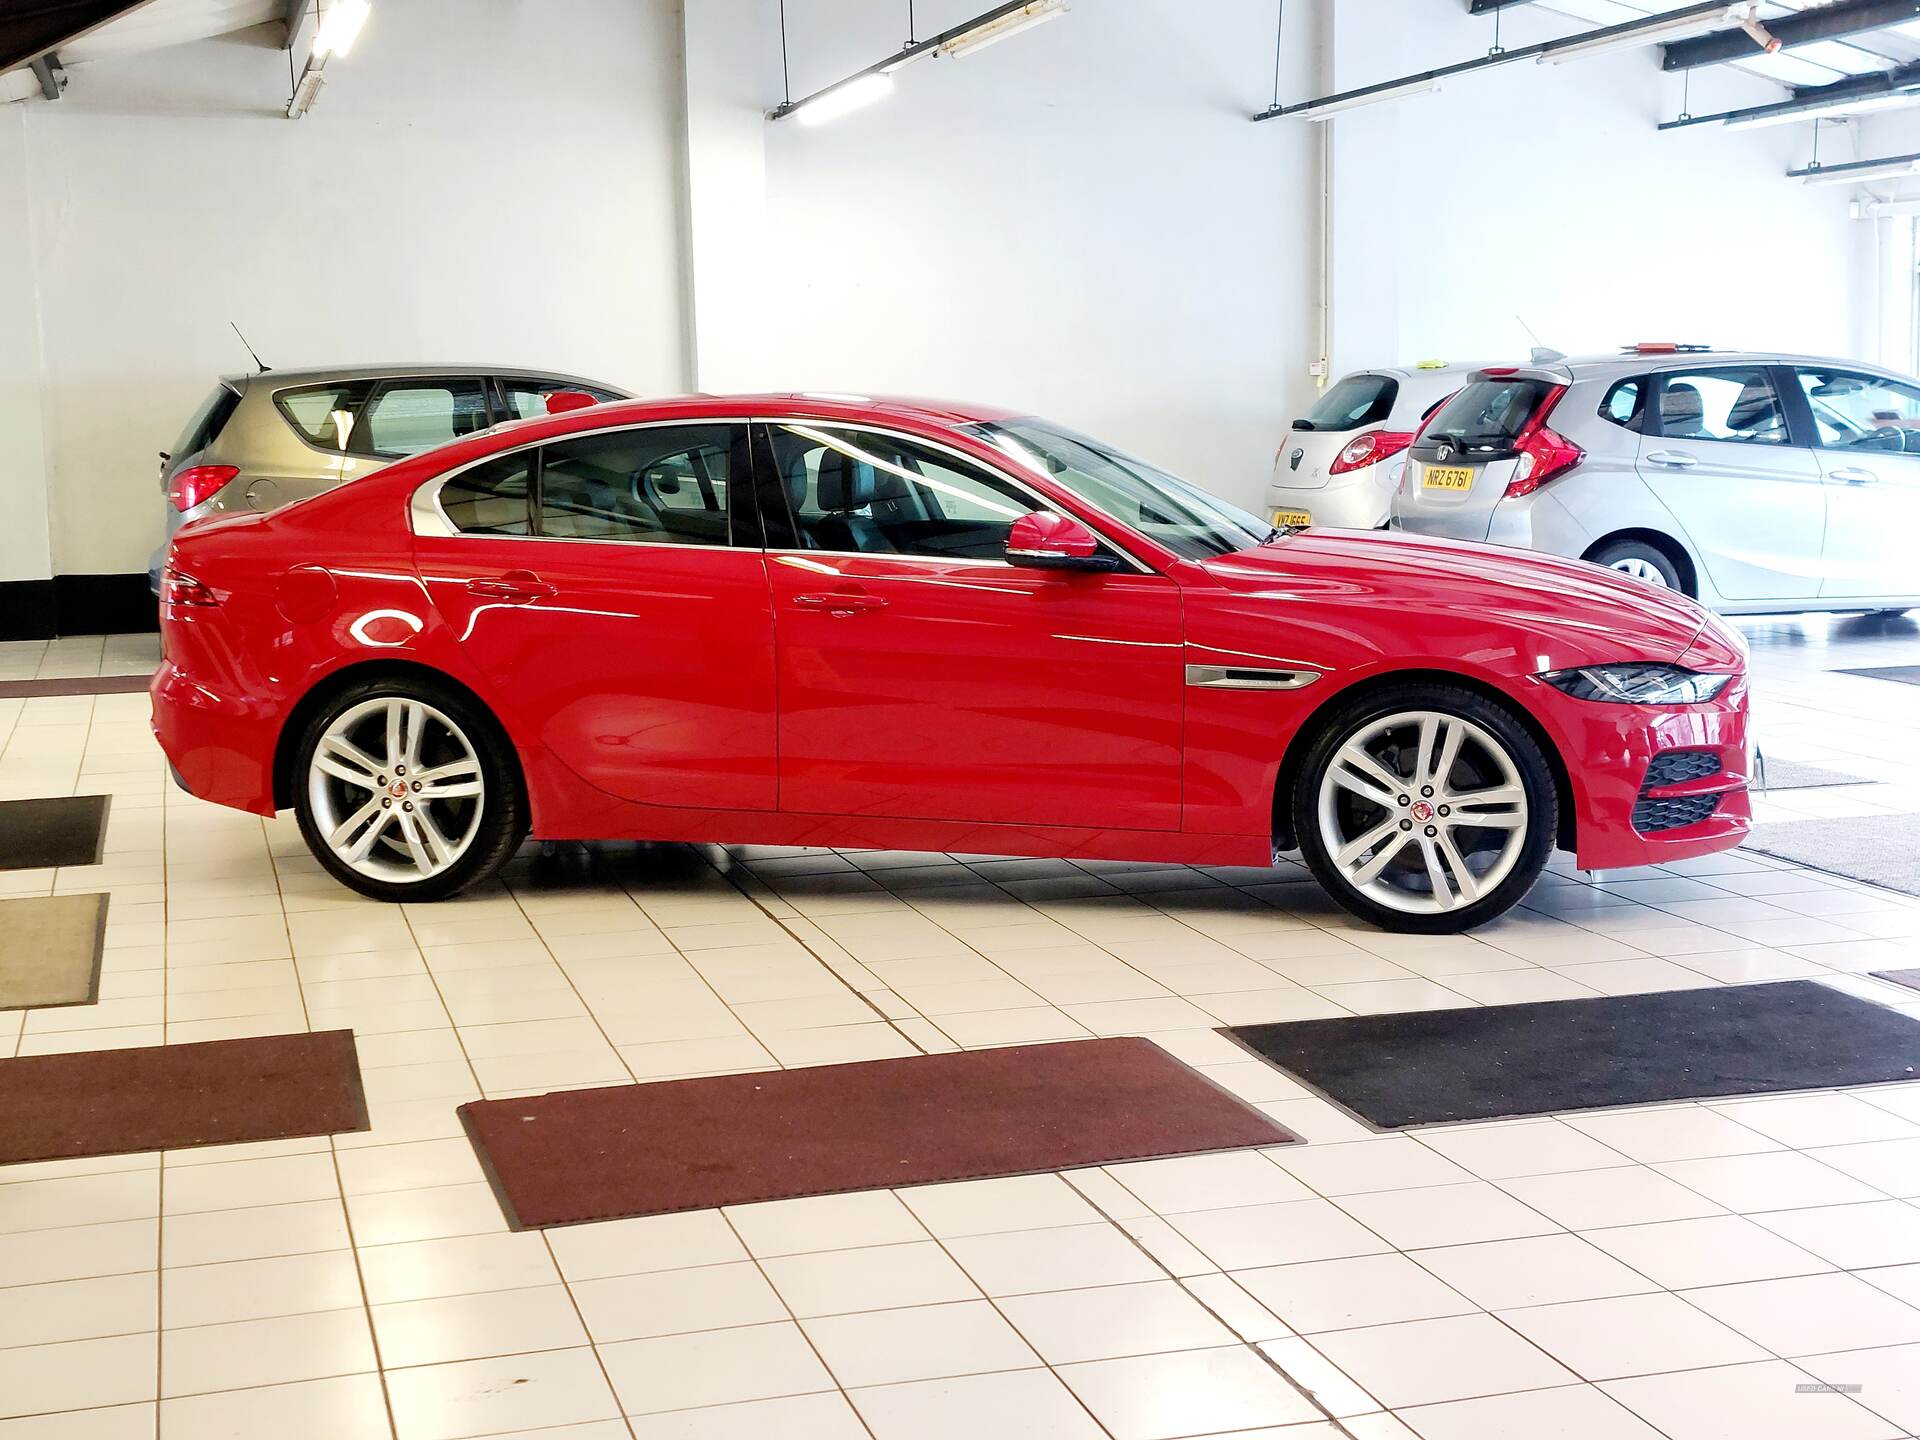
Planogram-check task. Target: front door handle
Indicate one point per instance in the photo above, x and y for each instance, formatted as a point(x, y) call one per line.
point(845, 603)
point(516, 585)
point(1672, 459)
point(1854, 475)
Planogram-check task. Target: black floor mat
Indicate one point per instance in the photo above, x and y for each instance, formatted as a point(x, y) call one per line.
point(35, 834)
point(1431, 1067)
point(1905, 674)
point(1908, 978)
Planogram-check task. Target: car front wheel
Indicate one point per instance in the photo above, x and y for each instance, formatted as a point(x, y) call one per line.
point(1425, 808)
point(407, 791)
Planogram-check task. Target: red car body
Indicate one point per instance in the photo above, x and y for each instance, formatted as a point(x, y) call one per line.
point(752, 695)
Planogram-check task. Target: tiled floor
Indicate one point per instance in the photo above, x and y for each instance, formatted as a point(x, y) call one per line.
point(1687, 1271)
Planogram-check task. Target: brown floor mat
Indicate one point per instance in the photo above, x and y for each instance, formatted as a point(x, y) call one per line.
point(75, 685)
point(50, 950)
point(726, 1140)
point(169, 1097)
point(1908, 978)
point(65, 830)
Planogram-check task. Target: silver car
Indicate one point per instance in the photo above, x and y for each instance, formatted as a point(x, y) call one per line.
point(1752, 482)
point(266, 439)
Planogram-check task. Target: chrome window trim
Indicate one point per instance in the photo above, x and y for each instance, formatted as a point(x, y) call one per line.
point(1040, 502)
point(426, 517)
point(1249, 677)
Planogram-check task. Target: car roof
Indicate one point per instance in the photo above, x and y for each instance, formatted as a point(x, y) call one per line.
point(825, 404)
point(1593, 367)
point(319, 374)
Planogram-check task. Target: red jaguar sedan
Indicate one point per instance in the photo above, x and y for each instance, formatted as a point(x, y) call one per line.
point(832, 620)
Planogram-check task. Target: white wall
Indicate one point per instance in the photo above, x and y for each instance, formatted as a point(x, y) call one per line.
point(24, 550)
point(476, 181)
point(1547, 192)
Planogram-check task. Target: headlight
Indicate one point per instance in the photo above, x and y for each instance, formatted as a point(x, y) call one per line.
point(1638, 684)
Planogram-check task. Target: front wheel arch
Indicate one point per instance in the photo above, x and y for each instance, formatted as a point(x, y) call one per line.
point(286, 748)
point(1309, 729)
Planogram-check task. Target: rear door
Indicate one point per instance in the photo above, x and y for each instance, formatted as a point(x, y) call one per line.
point(1719, 454)
point(1867, 438)
point(612, 587)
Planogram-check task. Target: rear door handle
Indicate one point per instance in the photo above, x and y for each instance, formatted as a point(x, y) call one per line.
point(1853, 475)
point(516, 585)
point(841, 604)
point(1672, 459)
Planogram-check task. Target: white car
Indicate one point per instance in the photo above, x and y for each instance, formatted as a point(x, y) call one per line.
point(1341, 462)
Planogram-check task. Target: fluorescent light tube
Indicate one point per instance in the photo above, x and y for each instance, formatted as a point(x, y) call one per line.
point(995, 30)
point(1677, 28)
point(842, 98)
point(1372, 97)
point(1848, 174)
point(340, 26)
point(1829, 109)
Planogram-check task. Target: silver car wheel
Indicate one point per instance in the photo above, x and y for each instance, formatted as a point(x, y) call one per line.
point(1422, 812)
point(1641, 570)
point(396, 789)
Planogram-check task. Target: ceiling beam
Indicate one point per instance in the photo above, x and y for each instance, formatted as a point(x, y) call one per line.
point(1486, 7)
point(30, 29)
point(1830, 22)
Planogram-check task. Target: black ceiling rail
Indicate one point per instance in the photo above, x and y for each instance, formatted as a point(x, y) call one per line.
point(1487, 7)
point(1850, 166)
point(1830, 22)
point(1544, 50)
point(30, 29)
point(1812, 100)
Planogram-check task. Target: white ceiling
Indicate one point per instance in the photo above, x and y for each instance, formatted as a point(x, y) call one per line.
point(170, 22)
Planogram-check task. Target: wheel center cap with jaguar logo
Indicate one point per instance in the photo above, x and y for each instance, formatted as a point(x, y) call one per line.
point(397, 789)
point(1422, 811)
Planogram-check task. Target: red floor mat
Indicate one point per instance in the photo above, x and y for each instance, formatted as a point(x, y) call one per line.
point(169, 1097)
point(693, 1144)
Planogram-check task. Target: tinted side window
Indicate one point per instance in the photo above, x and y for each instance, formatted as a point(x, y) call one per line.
point(1626, 404)
point(326, 415)
point(492, 497)
point(1864, 412)
point(862, 491)
point(525, 399)
point(1737, 404)
point(660, 485)
point(405, 417)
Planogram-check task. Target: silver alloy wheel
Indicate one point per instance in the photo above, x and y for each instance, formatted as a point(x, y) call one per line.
point(1641, 570)
point(1423, 812)
point(396, 789)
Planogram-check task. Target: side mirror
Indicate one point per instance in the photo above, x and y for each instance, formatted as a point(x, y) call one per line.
point(561, 401)
point(1047, 540)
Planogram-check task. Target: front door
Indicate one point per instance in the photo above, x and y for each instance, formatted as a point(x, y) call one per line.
point(597, 582)
point(922, 676)
point(1722, 461)
point(1868, 430)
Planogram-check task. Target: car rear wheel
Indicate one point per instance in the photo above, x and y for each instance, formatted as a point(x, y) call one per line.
point(408, 791)
point(1642, 561)
point(1425, 808)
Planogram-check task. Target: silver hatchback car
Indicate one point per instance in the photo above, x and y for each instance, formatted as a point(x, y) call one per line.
point(266, 439)
point(1752, 482)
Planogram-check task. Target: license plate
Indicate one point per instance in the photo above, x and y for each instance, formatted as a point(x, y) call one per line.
point(1447, 477)
point(1294, 519)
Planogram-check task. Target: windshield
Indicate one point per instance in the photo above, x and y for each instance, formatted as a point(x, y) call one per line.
point(1184, 518)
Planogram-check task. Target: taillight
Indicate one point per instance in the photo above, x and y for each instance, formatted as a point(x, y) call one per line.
point(1544, 453)
point(1369, 449)
point(196, 483)
point(178, 589)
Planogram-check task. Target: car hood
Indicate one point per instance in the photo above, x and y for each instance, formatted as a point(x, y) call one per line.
point(1579, 614)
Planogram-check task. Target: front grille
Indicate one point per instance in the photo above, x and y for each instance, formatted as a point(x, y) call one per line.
point(1671, 767)
point(1652, 815)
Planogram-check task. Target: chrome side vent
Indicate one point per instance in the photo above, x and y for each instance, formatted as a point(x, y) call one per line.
point(1243, 677)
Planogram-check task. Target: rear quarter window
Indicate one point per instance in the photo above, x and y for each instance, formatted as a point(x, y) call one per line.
point(325, 415)
point(1625, 404)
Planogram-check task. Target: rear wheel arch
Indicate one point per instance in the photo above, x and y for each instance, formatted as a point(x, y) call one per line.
point(1309, 730)
point(286, 748)
point(1676, 553)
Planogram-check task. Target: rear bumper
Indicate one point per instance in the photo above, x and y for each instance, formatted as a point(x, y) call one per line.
point(220, 746)
point(1365, 503)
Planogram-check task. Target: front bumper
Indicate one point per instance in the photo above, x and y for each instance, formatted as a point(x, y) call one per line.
point(1626, 815)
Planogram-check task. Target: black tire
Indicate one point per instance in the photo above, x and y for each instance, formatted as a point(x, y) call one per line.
point(1616, 553)
point(1345, 720)
point(503, 819)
